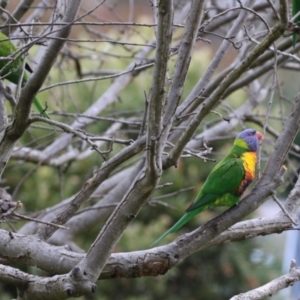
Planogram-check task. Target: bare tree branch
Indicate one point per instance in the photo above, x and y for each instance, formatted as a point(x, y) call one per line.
point(273, 286)
point(148, 178)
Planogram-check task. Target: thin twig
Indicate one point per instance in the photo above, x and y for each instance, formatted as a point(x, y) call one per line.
point(38, 221)
point(286, 213)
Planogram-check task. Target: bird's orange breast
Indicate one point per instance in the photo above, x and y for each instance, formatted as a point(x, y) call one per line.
point(249, 164)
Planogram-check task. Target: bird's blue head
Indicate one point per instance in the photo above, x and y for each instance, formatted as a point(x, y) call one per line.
point(249, 139)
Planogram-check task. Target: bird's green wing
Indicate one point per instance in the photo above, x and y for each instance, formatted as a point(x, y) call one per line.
point(9, 69)
point(295, 10)
point(12, 69)
point(225, 178)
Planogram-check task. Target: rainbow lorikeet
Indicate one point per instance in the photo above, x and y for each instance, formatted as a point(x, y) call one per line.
point(11, 69)
point(228, 179)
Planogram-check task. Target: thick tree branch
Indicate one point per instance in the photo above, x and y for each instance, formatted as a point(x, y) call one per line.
point(150, 262)
point(22, 112)
point(146, 181)
point(183, 61)
point(37, 79)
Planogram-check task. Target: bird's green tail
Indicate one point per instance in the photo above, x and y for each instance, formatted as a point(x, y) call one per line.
point(36, 101)
point(184, 219)
point(40, 108)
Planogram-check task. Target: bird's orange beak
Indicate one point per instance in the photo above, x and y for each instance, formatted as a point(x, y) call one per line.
point(259, 135)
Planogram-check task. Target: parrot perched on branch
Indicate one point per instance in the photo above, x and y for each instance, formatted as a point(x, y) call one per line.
point(228, 179)
point(11, 69)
